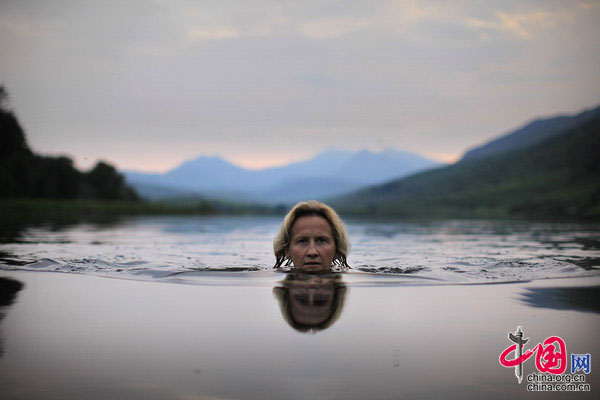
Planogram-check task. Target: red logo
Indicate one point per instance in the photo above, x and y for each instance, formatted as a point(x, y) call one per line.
point(547, 359)
point(550, 355)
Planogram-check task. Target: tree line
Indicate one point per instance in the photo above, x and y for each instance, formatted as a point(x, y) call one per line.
point(25, 174)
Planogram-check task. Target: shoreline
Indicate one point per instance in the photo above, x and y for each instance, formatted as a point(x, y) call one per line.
point(48, 209)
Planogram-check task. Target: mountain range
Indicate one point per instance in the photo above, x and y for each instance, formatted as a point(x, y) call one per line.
point(330, 173)
point(550, 168)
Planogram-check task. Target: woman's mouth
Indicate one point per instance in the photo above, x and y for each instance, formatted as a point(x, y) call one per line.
point(312, 264)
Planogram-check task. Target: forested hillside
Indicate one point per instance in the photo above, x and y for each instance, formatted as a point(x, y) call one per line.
point(557, 178)
point(24, 174)
point(532, 133)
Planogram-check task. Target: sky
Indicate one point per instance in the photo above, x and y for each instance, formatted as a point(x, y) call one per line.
point(146, 85)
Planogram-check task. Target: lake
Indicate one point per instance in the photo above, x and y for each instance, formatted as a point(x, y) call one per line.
point(170, 248)
point(190, 308)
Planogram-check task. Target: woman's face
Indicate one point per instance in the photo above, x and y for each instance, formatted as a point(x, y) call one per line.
point(312, 247)
point(311, 303)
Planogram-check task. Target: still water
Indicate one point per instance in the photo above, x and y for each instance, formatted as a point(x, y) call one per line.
point(181, 248)
point(416, 317)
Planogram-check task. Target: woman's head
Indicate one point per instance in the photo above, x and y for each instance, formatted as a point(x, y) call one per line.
point(312, 237)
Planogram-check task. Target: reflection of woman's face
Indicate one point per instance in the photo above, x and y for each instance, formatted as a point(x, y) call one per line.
point(312, 246)
point(311, 304)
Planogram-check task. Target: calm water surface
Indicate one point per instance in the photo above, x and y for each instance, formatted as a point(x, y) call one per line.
point(183, 248)
point(399, 324)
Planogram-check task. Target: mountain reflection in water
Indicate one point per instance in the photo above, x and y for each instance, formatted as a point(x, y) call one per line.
point(586, 299)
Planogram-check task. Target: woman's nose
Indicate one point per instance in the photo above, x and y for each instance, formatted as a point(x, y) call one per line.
point(312, 249)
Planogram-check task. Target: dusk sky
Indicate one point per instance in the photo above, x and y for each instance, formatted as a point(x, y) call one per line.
point(147, 85)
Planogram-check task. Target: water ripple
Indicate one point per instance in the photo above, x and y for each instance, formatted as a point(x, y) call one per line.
point(450, 251)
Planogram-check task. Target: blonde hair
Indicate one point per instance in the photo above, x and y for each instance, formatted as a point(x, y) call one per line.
point(312, 207)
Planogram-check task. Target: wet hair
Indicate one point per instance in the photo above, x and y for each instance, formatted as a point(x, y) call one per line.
point(309, 208)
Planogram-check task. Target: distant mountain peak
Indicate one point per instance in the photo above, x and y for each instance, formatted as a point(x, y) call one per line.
point(205, 158)
point(328, 173)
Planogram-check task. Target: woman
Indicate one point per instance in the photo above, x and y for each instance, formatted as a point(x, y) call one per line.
point(312, 238)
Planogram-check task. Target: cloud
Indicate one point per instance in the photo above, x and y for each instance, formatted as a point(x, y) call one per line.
point(412, 12)
point(87, 77)
point(331, 27)
point(321, 20)
point(520, 25)
point(588, 6)
point(202, 33)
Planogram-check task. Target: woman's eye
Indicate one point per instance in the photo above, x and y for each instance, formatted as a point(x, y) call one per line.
point(323, 240)
point(302, 299)
point(321, 299)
